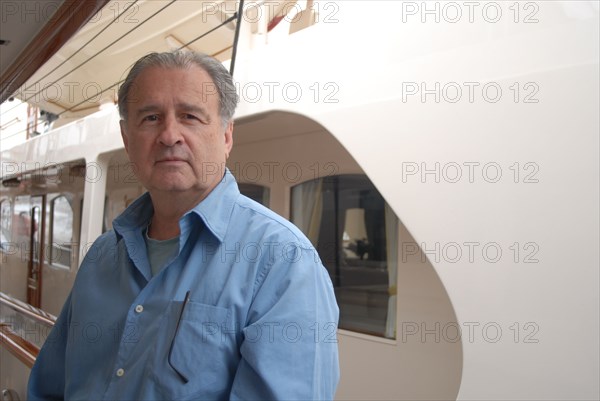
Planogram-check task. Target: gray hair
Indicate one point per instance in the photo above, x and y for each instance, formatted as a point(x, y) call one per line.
point(223, 81)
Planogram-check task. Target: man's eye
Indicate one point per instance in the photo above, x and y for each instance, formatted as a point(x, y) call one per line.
point(190, 117)
point(152, 117)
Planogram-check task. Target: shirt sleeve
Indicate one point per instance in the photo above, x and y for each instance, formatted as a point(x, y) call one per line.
point(289, 347)
point(47, 378)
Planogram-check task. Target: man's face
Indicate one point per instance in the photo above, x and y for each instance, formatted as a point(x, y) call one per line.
point(173, 134)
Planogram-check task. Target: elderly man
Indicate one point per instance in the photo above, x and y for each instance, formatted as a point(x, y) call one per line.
point(167, 306)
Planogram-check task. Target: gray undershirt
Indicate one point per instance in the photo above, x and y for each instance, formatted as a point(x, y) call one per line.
point(160, 252)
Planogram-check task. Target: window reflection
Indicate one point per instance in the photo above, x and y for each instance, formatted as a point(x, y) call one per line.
point(62, 232)
point(5, 224)
point(354, 231)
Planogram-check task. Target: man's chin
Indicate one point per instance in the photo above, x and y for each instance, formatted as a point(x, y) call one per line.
point(172, 187)
point(175, 184)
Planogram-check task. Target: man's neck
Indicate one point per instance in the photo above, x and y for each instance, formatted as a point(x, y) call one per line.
point(168, 209)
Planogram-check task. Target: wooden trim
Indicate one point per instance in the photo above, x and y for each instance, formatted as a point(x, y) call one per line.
point(63, 24)
point(36, 264)
point(22, 349)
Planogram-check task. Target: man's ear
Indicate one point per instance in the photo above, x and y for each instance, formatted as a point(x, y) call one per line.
point(228, 138)
point(124, 135)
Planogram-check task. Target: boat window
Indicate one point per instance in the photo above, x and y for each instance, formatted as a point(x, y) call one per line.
point(355, 233)
point(35, 228)
point(61, 232)
point(5, 223)
point(255, 192)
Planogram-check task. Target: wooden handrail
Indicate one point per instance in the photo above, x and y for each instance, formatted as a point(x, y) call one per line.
point(31, 312)
point(25, 351)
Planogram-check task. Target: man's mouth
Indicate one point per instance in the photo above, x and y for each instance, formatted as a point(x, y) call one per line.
point(170, 160)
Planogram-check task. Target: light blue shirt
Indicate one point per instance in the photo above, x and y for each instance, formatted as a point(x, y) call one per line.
point(260, 321)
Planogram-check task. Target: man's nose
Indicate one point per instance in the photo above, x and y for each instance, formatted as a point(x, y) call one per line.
point(170, 133)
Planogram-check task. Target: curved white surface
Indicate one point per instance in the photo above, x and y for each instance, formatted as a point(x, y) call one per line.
point(529, 316)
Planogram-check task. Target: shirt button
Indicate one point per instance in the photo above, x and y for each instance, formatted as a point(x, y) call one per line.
point(139, 308)
point(120, 372)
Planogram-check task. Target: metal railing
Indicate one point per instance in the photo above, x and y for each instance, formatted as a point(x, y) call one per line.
point(22, 349)
point(27, 310)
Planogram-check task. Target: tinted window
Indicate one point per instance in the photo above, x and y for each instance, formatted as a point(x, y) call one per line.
point(255, 192)
point(62, 232)
point(354, 232)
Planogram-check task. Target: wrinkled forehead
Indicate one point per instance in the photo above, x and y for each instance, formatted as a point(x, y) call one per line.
point(188, 83)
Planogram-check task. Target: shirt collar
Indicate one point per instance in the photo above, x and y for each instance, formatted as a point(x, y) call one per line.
point(136, 216)
point(215, 210)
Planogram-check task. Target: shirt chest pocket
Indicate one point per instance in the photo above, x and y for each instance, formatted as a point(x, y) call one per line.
point(201, 355)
